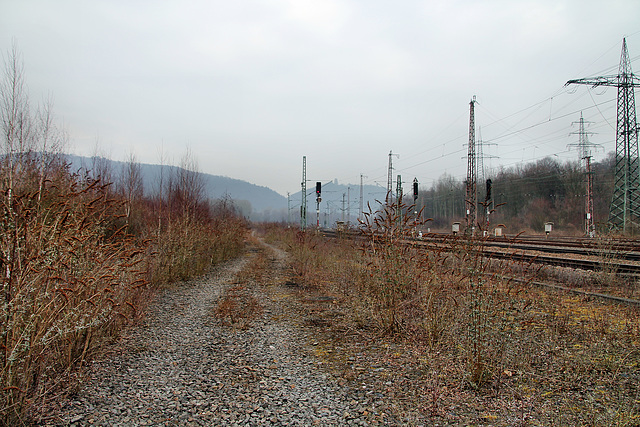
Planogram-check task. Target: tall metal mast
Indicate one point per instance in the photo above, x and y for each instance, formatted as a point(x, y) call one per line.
point(589, 224)
point(361, 197)
point(624, 212)
point(390, 174)
point(399, 199)
point(471, 200)
point(584, 145)
point(303, 205)
point(479, 163)
point(348, 205)
point(390, 177)
point(584, 150)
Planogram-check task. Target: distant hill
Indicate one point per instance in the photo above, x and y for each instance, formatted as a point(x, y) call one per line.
point(255, 201)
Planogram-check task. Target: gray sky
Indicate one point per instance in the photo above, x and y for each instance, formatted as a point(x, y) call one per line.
point(251, 86)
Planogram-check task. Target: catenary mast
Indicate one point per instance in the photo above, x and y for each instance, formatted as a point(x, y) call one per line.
point(471, 200)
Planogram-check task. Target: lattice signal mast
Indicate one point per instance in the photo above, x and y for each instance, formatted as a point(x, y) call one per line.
point(390, 177)
point(471, 200)
point(624, 212)
point(360, 217)
point(303, 204)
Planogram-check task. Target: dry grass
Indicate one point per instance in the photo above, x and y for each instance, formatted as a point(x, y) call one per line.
point(71, 277)
point(475, 348)
point(74, 275)
point(188, 248)
point(237, 307)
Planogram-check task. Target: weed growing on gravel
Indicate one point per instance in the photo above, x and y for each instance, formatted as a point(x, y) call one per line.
point(481, 335)
point(398, 284)
point(237, 307)
point(73, 275)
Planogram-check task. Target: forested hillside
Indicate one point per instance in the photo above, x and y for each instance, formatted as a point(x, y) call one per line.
point(254, 201)
point(526, 196)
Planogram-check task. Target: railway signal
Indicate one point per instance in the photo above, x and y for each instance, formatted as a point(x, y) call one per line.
point(318, 200)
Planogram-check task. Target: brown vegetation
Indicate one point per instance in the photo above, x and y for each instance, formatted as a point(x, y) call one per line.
point(74, 272)
point(79, 255)
point(479, 348)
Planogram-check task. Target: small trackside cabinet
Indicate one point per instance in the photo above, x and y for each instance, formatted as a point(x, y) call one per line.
point(455, 228)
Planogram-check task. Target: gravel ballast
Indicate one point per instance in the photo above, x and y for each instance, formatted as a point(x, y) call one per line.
point(185, 366)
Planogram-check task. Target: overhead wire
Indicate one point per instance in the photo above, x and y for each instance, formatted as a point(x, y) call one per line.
point(521, 132)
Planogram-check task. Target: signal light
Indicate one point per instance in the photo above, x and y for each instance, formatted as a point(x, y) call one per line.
point(415, 189)
point(318, 188)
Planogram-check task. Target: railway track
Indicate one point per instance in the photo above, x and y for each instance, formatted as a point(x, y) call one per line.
point(611, 249)
point(621, 257)
point(599, 295)
point(618, 257)
point(616, 266)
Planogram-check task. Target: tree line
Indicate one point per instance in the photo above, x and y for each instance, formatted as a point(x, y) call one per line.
point(526, 196)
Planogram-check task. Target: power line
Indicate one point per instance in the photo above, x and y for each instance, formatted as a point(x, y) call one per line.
point(624, 211)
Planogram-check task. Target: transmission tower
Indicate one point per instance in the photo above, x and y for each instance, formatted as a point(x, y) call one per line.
point(303, 205)
point(584, 145)
point(584, 150)
point(471, 200)
point(624, 212)
point(390, 177)
point(361, 196)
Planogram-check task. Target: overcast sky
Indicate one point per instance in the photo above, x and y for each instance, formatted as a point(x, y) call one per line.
point(252, 86)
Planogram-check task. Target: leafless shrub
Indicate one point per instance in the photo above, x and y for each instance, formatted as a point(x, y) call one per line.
point(70, 276)
point(77, 257)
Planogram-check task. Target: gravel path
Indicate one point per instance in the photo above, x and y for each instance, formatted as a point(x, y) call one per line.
point(185, 367)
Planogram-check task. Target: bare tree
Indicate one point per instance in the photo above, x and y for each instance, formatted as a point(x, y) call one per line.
point(14, 114)
point(131, 186)
point(186, 187)
point(100, 167)
point(50, 140)
point(160, 199)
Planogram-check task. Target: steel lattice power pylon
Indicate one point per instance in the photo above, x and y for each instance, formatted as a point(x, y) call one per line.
point(390, 178)
point(303, 202)
point(624, 213)
point(471, 200)
point(584, 149)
